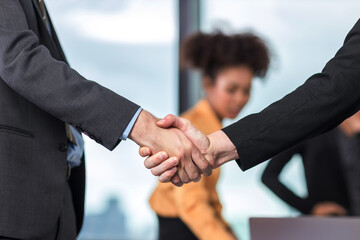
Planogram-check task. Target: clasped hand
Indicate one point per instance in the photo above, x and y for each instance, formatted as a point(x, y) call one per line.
point(177, 151)
point(172, 168)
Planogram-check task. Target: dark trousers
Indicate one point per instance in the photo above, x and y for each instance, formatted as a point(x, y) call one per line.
point(66, 227)
point(174, 229)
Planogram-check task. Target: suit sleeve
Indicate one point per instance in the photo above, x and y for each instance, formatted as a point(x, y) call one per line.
point(320, 104)
point(196, 212)
point(28, 68)
point(271, 176)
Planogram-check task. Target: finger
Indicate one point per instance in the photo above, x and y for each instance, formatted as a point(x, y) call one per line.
point(192, 171)
point(191, 132)
point(199, 178)
point(174, 121)
point(184, 178)
point(155, 160)
point(201, 162)
point(165, 166)
point(175, 180)
point(182, 173)
point(187, 170)
point(144, 151)
point(166, 176)
point(167, 121)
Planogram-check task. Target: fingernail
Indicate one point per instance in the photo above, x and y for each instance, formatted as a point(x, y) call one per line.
point(161, 121)
point(162, 156)
point(174, 160)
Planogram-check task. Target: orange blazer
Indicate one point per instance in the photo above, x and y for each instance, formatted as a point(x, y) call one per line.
point(196, 204)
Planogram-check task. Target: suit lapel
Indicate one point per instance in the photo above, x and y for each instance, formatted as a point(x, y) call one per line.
point(52, 42)
point(56, 40)
point(37, 9)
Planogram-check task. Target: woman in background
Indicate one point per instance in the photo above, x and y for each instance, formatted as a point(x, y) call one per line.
point(228, 65)
point(327, 193)
point(348, 140)
point(332, 172)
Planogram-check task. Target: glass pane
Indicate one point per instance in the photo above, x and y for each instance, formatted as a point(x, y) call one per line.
point(130, 47)
point(303, 36)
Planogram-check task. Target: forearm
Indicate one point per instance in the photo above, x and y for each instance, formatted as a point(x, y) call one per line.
point(218, 210)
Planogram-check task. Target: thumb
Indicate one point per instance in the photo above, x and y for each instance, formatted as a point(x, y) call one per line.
point(197, 137)
point(170, 121)
point(144, 151)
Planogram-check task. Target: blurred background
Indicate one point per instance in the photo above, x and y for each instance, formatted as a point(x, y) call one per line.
point(131, 47)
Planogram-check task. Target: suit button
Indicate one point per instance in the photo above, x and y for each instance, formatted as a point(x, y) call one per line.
point(62, 147)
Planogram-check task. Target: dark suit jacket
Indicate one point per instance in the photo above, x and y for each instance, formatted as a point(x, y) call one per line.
point(320, 104)
point(39, 92)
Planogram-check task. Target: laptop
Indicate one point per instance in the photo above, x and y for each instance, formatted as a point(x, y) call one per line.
point(305, 228)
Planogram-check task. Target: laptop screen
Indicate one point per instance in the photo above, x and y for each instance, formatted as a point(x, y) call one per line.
point(305, 228)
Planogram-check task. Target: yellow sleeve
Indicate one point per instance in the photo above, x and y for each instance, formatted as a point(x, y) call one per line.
point(196, 212)
point(218, 208)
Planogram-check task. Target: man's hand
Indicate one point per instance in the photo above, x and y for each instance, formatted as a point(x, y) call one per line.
point(173, 142)
point(165, 167)
point(217, 147)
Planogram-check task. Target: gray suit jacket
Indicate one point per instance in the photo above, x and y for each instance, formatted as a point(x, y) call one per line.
point(39, 92)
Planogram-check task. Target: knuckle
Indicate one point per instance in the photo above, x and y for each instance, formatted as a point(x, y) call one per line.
point(156, 159)
point(167, 176)
point(197, 179)
point(195, 176)
point(208, 171)
point(147, 164)
point(182, 156)
point(205, 166)
point(166, 165)
point(175, 181)
point(188, 146)
point(187, 181)
point(170, 164)
point(154, 172)
point(186, 122)
point(162, 180)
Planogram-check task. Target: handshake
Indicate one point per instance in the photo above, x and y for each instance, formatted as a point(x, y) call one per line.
point(177, 151)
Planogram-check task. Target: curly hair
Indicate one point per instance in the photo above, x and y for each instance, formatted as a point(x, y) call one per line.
point(211, 53)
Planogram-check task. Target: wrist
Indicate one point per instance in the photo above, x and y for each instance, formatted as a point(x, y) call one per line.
point(143, 126)
point(221, 149)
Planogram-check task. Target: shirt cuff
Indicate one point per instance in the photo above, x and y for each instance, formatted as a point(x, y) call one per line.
point(129, 127)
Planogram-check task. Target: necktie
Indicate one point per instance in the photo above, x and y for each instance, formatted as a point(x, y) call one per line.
point(43, 10)
point(69, 134)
